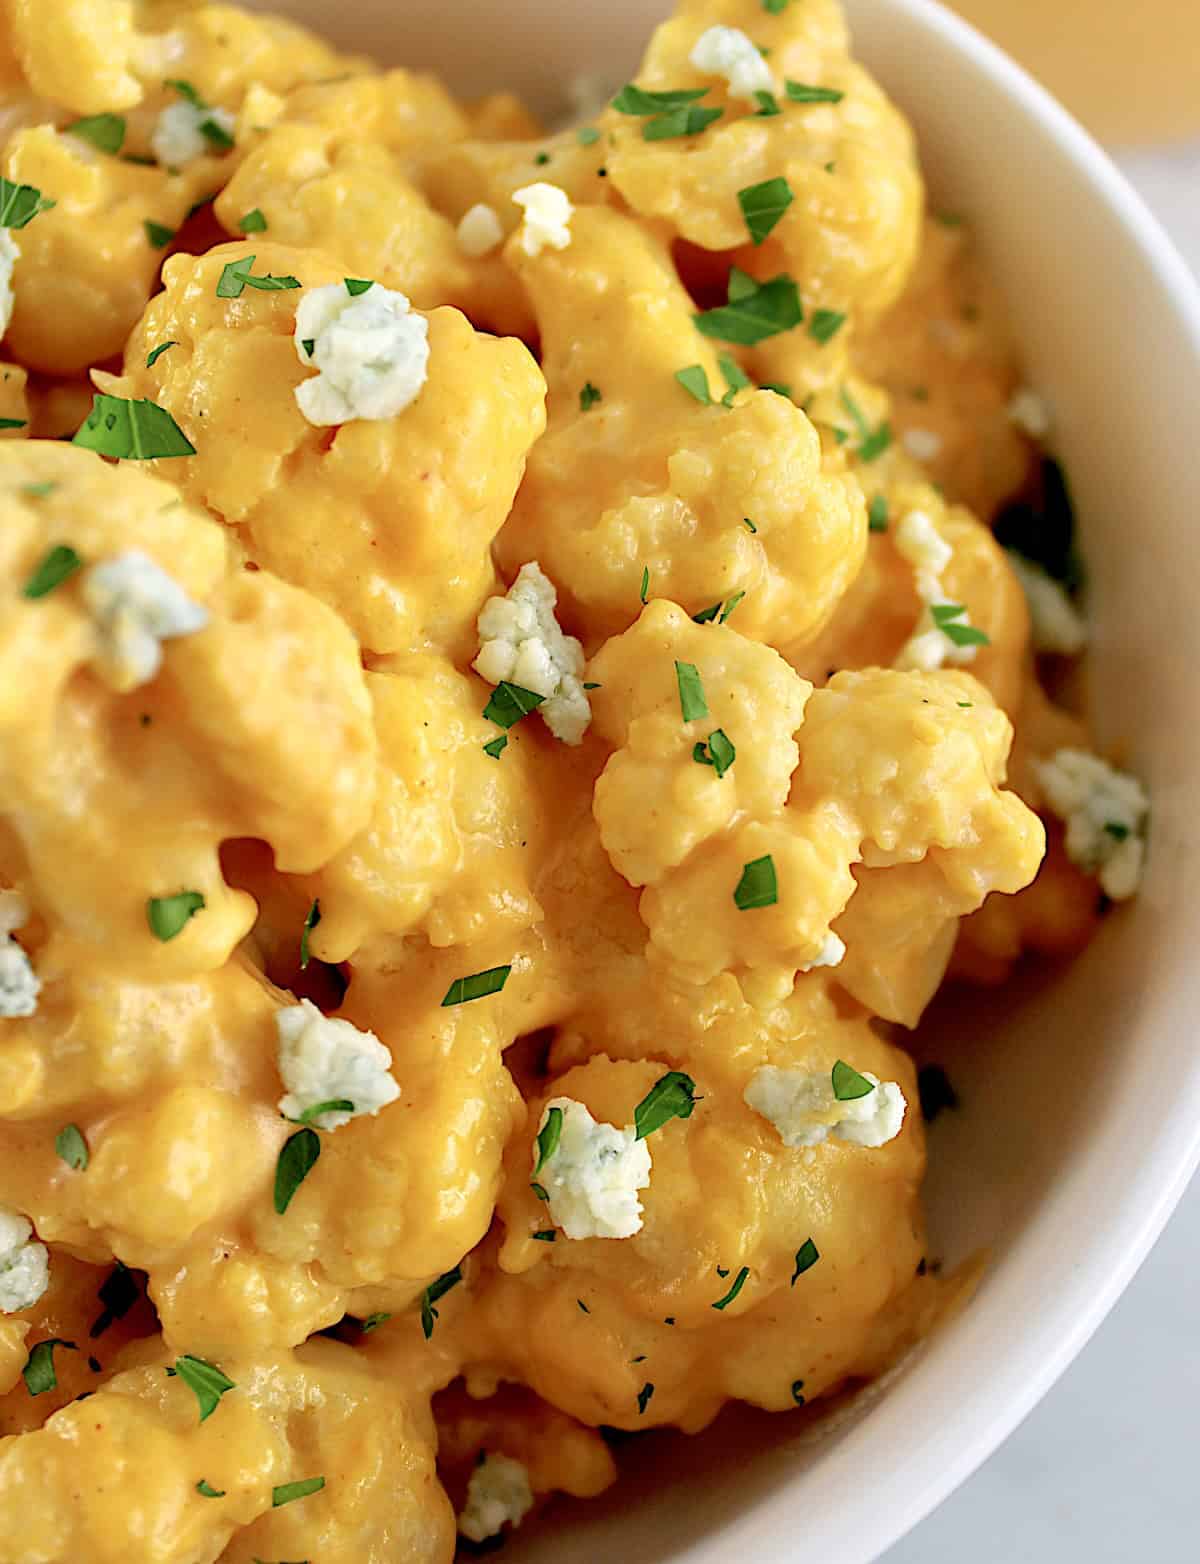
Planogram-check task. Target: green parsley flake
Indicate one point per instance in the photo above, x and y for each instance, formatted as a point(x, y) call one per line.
point(691, 692)
point(673, 1096)
point(746, 522)
point(768, 104)
point(547, 1235)
point(155, 354)
point(430, 1296)
point(332, 1105)
point(739, 1282)
point(118, 1292)
point(763, 205)
point(312, 918)
point(754, 312)
point(356, 286)
point(13, 423)
point(299, 1156)
point(848, 1084)
point(778, 387)
point(38, 491)
point(540, 1191)
point(136, 431)
point(644, 593)
point(694, 381)
point(496, 747)
point(877, 514)
point(309, 345)
point(71, 1147)
point(253, 223)
point(20, 204)
point(736, 378)
point(56, 565)
point(731, 605)
point(679, 122)
point(707, 615)
point(775, 7)
point(871, 442)
point(287, 1492)
point(542, 159)
point(643, 1397)
point(825, 325)
point(548, 1138)
point(945, 615)
point(1114, 828)
point(168, 916)
point(236, 277)
point(205, 1380)
point(38, 1373)
point(757, 886)
point(374, 1321)
point(636, 100)
point(587, 135)
point(582, 1306)
point(206, 1490)
point(158, 235)
point(801, 92)
point(797, 1387)
point(478, 986)
point(105, 132)
point(806, 1257)
point(588, 397)
point(509, 703)
point(717, 751)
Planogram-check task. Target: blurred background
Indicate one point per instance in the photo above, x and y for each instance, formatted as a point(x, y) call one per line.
point(1103, 1470)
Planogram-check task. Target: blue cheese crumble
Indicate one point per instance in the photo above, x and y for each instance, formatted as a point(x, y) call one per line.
point(24, 1263)
point(521, 641)
point(371, 350)
point(802, 1107)
point(322, 1059)
point(136, 606)
point(593, 1175)
point(499, 1494)
point(1104, 811)
point(19, 984)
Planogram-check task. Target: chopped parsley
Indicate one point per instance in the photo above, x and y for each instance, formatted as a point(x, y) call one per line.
point(673, 1096)
point(731, 605)
point(778, 387)
point(717, 751)
point(736, 377)
point(548, 1138)
point(136, 431)
point(168, 916)
point(356, 286)
point(848, 1084)
point(432, 1293)
point(13, 423)
point(707, 615)
point(877, 514)
point(1114, 828)
point(806, 1257)
point(748, 523)
point(547, 1235)
point(206, 1490)
point(38, 491)
point(496, 747)
point(801, 92)
point(38, 1373)
point(763, 205)
point(797, 1387)
point(644, 593)
point(509, 703)
point(542, 159)
point(945, 617)
point(643, 1397)
point(285, 1493)
point(20, 204)
point(588, 397)
point(253, 223)
point(636, 100)
point(478, 986)
point(237, 276)
point(215, 134)
point(768, 104)
point(374, 1321)
point(540, 1191)
point(309, 344)
point(825, 325)
point(205, 1380)
point(776, 7)
point(758, 886)
point(332, 1105)
point(935, 1091)
point(312, 918)
point(56, 565)
point(688, 121)
point(583, 1306)
point(71, 1147)
point(872, 443)
point(299, 1156)
point(155, 354)
point(118, 1292)
point(158, 235)
point(694, 381)
point(739, 1282)
point(105, 132)
point(691, 692)
point(754, 311)
point(587, 135)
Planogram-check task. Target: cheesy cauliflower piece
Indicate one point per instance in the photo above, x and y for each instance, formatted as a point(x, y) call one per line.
point(24, 1263)
point(806, 1111)
point(370, 350)
point(322, 1060)
point(498, 1495)
point(1105, 814)
point(136, 607)
point(19, 983)
point(522, 642)
point(592, 1175)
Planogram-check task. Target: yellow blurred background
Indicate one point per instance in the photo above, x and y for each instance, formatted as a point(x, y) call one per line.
point(1129, 69)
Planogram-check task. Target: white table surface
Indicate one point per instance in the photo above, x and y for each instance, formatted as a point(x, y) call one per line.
point(1104, 1471)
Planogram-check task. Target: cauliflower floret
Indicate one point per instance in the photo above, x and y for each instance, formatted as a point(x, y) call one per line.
point(804, 1110)
point(521, 641)
point(593, 1174)
point(10, 254)
point(1105, 813)
point(322, 1059)
point(136, 606)
point(931, 644)
point(24, 1263)
point(479, 231)
point(371, 350)
point(179, 137)
point(19, 984)
point(498, 1495)
point(548, 212)
point(1057, 625)
point(727, 52)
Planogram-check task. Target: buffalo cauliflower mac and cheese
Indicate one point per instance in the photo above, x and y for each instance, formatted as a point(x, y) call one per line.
point(529, 658)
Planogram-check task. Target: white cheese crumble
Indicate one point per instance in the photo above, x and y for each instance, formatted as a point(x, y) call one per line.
point(498, 1494)
point(1105, 815)
point(372, 352)
point(177, 139)
point(322, 1059)
point(923, 445)
point(548, 213)
point(480, 231)
point(804, 1110)
point(24, 1263)
point(593, 1174)
point(1029, 412)
point(727, 52)
point(136, 606)
point(522, 642)
point(10, 254)
point(831, 954)
point(1056, 623)
point(919, 542)
point(19, 983)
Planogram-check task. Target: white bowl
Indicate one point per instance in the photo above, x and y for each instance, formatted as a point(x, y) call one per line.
point(1080, 1126)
